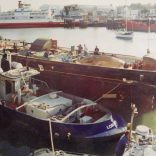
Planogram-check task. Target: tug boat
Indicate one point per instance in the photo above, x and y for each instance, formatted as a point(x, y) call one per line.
point(26, 101)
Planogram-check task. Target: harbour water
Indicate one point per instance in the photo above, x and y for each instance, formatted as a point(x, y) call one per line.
point(92, 36)
point(21, 144)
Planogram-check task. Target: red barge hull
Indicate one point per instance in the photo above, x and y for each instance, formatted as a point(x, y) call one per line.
point(36, 25)
point(141, 26)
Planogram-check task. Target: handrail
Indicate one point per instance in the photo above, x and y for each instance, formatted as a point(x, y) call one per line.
point(35, 99)
point(71, 113)
point(17, 108)
point(34, 79)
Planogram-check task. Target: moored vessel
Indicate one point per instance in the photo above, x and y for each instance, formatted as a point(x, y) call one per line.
point(25, 103)
point(97, 79)
point(126, 35)
point(25, 17)
point(141, 25)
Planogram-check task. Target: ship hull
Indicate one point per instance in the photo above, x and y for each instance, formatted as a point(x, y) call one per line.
point(141, 26)
point(84, 133)
point(93, 81)
point(32, 25)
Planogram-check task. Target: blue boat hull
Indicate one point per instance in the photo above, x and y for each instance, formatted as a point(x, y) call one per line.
point(70, 132)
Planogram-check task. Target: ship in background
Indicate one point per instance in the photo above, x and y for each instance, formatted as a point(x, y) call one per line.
point(142, 25)
point(25, 17)
point(133, 25)
point(124, 33)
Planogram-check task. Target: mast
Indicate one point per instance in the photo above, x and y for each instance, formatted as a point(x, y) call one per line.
point(126, 16)
point(149, 30)
point(126, 13)
point(19, 4)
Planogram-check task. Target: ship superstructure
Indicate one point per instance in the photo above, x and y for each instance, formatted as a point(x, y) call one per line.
point(24, 16)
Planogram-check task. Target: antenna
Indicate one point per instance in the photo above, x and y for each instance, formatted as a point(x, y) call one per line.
point(126, 14)
point(149, 30)
point(19, 4)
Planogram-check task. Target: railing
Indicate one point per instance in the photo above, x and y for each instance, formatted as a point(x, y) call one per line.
point(42, 83)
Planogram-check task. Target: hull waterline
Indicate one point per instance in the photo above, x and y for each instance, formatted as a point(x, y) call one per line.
point(32, 25)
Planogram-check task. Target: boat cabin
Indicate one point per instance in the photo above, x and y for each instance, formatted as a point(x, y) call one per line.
point(13, 81)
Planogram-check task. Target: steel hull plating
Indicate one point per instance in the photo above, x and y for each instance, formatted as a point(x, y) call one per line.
point(83, 132)
point(92, 82)
point(32, 25)
point(140, 26)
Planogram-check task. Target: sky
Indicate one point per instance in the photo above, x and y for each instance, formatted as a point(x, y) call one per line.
point(12, 4)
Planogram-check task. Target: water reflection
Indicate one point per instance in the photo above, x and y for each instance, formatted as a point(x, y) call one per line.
point(101, 37)
point(149, 119)
point(21, 143)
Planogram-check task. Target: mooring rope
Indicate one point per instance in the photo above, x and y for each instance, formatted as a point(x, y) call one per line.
point(51, 138)
point(108, 92)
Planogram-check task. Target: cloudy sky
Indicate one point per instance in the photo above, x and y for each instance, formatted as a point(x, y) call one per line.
point(11, 4)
